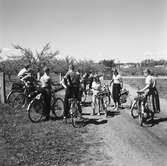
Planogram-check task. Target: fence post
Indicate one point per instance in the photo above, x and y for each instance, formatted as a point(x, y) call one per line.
point(2, 88)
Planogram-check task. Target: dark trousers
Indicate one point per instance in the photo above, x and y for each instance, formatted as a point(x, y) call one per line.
point(47, 98)
point(116, 93)
point(70, 93)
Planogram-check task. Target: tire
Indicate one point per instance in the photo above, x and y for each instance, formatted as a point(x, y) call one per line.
point(11, 96)
point(128, 103)
point(107, 100)
point(134, 110)
point(141, 115)
point(19, 101)
point(58, 107)
point(35, 110)
point(83, 98)
point(76, 120)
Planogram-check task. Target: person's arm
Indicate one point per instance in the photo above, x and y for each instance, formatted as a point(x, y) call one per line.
point(145, 88)
point(111, 82)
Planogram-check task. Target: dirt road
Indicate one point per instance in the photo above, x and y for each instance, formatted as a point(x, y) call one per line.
point(119, 140)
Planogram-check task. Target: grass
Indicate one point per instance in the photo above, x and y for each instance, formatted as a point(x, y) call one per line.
point(161, 85)
point(45, 143)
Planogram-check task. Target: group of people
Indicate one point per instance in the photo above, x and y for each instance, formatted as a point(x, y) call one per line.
point(72, 82)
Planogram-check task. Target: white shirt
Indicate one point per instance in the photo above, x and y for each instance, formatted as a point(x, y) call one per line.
point(150, 80)
point(117, 79)
point(95, 87)
point(22, 73)
point(45, 81)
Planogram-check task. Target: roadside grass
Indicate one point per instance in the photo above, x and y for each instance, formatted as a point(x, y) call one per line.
point(46, 143)
point(140, 82)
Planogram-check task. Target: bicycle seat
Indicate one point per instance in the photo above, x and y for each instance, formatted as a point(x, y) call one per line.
point(140, 93)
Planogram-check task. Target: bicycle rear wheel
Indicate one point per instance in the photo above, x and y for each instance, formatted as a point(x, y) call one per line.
point(35, 110)
point(11, 96)
point(19, 101)
point(58, 107)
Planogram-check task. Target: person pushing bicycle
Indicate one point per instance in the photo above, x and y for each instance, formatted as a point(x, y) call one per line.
point(46, 83)
point(151, 90)
point(71, 83)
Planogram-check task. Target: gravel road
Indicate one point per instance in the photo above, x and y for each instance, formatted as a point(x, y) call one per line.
point(119, 140)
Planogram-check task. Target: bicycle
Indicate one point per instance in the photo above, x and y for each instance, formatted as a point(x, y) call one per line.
point(125, 100)
point(15, 89)
point(36, 106)
point(19, 94)
point(141, 110)
point(75, 114)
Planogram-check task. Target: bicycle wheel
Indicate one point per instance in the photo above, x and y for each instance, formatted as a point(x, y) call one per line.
point(83, 98)
point(76, 120)
point(141, 115)
point(19, 101)
point(11, 96)
point(128, 103)
point(134, 110)
point(58, 107)
point(107, 100)
point(35, 110)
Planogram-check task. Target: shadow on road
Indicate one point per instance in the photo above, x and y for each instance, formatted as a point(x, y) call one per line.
point(112, 113)
point(158, 120)
point(94, 121)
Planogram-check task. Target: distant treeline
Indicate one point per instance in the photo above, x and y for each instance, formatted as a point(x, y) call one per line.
point(46, 57)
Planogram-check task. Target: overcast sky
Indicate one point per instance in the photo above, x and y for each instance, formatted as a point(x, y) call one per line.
point(128, 30)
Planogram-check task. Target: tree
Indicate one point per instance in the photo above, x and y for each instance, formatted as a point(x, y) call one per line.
point(39, 59)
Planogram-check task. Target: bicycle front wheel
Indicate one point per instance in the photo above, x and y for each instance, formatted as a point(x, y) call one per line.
point(134, 110)
point(75, 116)
point(58, 107)
point(35, 110)
point(141, 115)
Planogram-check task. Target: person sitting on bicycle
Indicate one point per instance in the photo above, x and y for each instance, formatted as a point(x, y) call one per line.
point(46, 82)
point(71, 83)
point(96, 87)
point(150, 89)
point(23, 73)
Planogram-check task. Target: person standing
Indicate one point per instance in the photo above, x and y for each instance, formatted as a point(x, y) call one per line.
point(71, 83)
point(46, 91)
point(117, 85)
point(96, 87)
point(151, 90)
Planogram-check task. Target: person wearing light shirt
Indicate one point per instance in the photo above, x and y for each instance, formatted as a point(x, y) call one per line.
point(46, 82)
point(117, 85)
point(96, 87)
point(151, 90)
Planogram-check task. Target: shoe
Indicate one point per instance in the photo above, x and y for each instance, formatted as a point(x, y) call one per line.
point(98, 114)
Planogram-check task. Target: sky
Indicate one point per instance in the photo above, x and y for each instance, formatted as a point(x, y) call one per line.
point(124, 30)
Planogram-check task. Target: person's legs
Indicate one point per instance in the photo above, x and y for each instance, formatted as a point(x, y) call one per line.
point(47, 102)
point(66, 104)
